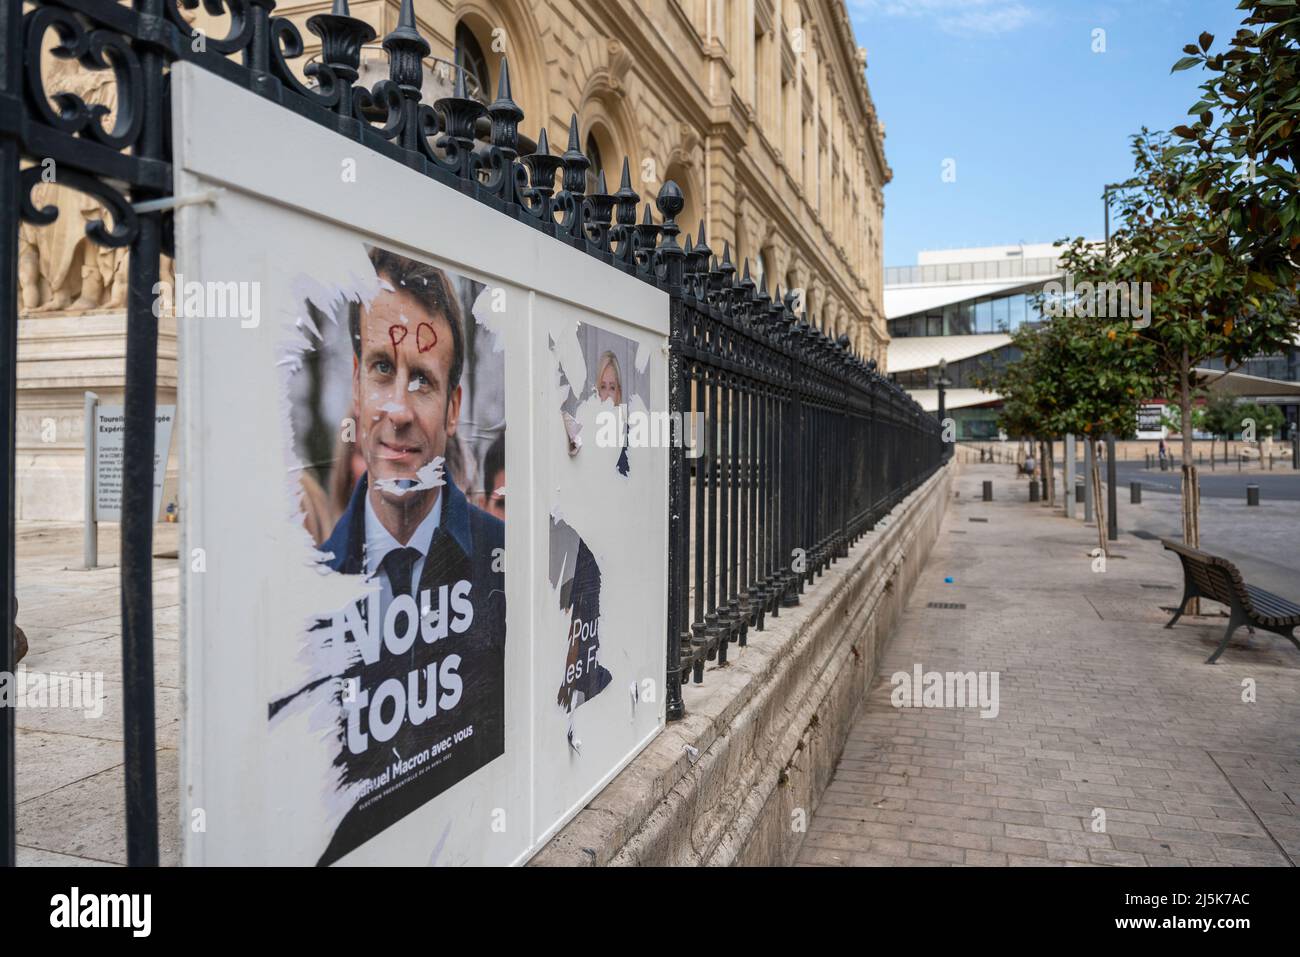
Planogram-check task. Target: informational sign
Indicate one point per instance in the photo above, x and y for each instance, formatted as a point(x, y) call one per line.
point(110, 433)
point(384, 665)
point(1150, 421)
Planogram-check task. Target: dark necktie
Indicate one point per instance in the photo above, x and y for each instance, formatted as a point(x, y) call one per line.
point(397, 564)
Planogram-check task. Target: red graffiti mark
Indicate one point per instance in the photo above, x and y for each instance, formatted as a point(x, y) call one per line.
point(425, 342)
point(396, 334)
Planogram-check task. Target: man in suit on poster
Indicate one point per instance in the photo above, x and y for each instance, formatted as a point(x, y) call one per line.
point(410, 529)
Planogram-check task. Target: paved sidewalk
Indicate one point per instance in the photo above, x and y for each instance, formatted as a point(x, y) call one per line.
point(71, 803)
point(1100, 710)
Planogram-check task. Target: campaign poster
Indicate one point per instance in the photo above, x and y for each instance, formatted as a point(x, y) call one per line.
point(348, 573)
point(397, 421)
point(604, 455)
point(613, 380)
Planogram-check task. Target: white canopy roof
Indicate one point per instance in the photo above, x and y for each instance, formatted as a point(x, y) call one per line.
point(924, 352)
point(1239, 383)
point(954, 399)
point(905, 300)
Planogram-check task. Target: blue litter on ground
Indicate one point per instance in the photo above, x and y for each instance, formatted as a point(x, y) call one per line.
point(947, 581)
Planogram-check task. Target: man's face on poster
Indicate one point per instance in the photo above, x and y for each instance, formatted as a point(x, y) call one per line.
point(400, 389)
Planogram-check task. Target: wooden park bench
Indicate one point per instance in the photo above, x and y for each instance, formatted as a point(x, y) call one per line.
point(1215, 578)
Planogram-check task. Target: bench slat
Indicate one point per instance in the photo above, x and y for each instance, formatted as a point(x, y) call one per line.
point(1219, 580)
point(1278, 610)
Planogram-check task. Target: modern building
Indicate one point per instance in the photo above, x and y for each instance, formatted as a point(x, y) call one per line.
point(759, 110)
point(960, 306)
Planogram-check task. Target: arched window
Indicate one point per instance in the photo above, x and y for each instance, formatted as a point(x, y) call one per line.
point(760, 269)
point(470, 58)
point(592, 149)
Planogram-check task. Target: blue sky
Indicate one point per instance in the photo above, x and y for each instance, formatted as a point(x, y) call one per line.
point(1035, 121)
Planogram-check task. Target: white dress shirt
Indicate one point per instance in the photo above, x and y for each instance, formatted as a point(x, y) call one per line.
point(379, 543)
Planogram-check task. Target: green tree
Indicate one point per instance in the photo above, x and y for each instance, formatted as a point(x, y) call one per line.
point(1025, 386)
point(1220, 418)
point(1172, 415)
point(1260, 421)
point(1076, 375)
point(1202, 304)
point(1246, 139)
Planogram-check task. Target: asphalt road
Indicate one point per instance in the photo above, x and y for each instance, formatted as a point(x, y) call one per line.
point(1263, 541)
point(1280, 485)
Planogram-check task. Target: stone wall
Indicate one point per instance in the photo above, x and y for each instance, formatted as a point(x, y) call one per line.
point(61, 357)
point(769, 728)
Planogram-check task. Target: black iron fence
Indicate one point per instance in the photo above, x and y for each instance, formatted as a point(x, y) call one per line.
point(802, 445)
point(798, 447)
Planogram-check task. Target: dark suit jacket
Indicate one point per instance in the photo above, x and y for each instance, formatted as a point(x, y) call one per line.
point(463, 548)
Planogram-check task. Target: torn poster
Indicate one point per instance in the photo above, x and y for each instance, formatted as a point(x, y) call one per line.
point(575, 575)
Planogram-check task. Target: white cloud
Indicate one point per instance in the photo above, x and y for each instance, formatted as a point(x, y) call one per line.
point(954, 16)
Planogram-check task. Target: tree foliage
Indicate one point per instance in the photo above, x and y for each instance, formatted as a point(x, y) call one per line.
point(1076, 375)
point(1203, 304)
point(1219, 416)
point(1245, 138)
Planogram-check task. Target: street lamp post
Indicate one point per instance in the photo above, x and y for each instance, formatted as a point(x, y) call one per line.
point(1112, 516)
point(943, 383)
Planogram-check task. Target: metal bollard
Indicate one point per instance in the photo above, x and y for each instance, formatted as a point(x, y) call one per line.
point(1033, 490)
point(988, 491)
point(1252, 494)
point(1135, 493)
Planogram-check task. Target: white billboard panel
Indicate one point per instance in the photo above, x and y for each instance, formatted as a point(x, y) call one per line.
point(380, 666)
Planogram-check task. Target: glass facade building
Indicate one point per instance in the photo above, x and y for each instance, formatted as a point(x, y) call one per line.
point(1285, 367)
point(950, 296)
point(935, 300)
point(975, 271)
point(980, 316)
point(963, 374)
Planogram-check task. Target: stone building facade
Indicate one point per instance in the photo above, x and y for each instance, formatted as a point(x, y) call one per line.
point(758, 109)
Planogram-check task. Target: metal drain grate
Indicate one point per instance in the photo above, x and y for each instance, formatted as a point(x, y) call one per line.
point(1162, 587)
point(948, 605)
point(959, 531)
point(985, 520)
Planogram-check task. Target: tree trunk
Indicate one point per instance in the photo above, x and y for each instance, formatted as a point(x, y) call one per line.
point(1191, 482)
point(1051, 473)
point(1042, 470)
point(1098, 504)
